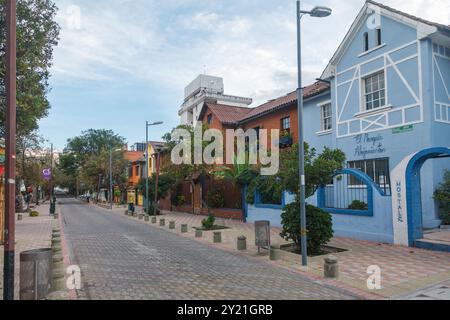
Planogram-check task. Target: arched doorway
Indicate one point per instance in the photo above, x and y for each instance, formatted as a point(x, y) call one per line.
point(406, 196)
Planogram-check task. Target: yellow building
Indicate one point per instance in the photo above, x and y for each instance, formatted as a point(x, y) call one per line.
point(153, 148)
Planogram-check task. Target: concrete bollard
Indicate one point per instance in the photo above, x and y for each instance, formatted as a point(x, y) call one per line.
point(56, 215)
point(242, 243)
point(19, 217)
point(162, 222)
point(147, 218)
point(135, 215)
point(153, 220)
point(184, 228)
point(56, 234)
point(217, 237)
point(141, 216)
point(172, 225)
point(56, 242)
point(126, 212)
point(198, 233)
point(274, 252)
point(331, 267)
point(59, 283)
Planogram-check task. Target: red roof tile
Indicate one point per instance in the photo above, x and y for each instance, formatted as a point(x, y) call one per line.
point(228, 114)
point(283, 101)
point(234, 115)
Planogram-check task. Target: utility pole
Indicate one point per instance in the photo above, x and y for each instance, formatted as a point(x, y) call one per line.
point(10, 156)
point(51, 173)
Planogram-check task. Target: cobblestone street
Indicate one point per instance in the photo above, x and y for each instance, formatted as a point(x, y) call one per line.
point(126, 259)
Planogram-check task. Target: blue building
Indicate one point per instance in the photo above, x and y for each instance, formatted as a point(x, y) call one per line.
point(388, 109)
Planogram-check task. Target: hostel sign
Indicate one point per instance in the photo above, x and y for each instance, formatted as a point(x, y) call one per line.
point(399, 207)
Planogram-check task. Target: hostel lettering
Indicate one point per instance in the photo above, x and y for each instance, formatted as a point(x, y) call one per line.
point(398, 190)
point(367, 145)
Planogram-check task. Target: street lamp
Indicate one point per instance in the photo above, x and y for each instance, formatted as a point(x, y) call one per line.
point(110, 176)
point(318, 12)
point(148, 124)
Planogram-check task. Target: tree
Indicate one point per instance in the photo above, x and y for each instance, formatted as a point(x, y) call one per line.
point(319, 170)
point(86, 160)
point(37, 35)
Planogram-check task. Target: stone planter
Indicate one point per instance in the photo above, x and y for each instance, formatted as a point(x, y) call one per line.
point(184, 228)
point(217, 237)
point(274, 252)
point(331, 268)
point(242, 243)
point(162, 222)
point(153, 220)
point(198, 233)
point(172, 225)
point(146, 218)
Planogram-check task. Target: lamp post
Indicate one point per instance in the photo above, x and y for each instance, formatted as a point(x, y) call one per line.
point(147, 174)
point(318, 12)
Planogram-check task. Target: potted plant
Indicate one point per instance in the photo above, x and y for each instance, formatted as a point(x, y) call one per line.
point(286, 139)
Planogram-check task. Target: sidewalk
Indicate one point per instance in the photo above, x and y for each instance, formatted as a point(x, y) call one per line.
point(31, 233)
point(404, 270)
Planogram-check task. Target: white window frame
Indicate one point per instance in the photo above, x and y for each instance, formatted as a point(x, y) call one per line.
point(323, 118)
point(363, 108)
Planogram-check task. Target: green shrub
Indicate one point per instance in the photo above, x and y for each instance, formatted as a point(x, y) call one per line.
point(358, 205)
point(215, 198)
point(34, 214)
point(442, 195)
point(319, 226)
point(208, 223)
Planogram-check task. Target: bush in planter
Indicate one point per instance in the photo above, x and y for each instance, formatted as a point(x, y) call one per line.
point(215, 198)
point(442, 195)
point(208, 223)
point(318, 224)
point(358, 205)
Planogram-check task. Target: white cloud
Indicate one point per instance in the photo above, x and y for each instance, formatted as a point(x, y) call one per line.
point(255, 52)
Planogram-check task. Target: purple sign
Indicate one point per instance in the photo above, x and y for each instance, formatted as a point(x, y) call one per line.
point(47, 174)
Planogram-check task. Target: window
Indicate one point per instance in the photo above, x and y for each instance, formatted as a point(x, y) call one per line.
point(136, 171)
point(374, 91)
point(286, 124)
point(325, 111)
point(378, 36)
point(366, 41)
point(377, 169)
point(210, 116)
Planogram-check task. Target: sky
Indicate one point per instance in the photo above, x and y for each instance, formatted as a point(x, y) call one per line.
point(122, 62)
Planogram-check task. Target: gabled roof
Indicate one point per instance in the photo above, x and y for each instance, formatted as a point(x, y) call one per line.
point(424, 29)
point(133, 156)
point(227, 114)
point(231, 115)
point(281, 102)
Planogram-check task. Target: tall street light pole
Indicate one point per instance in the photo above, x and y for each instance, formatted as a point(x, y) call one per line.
point(147, 173)
point(10, 152)
point(318, 12)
